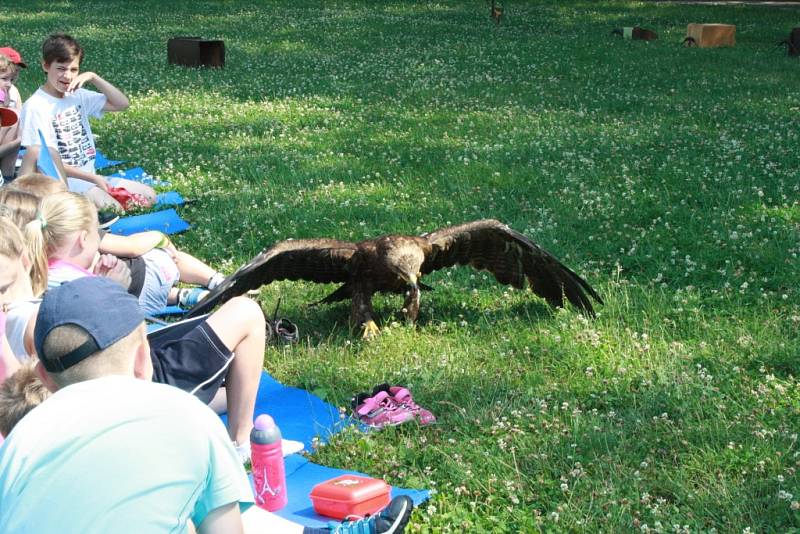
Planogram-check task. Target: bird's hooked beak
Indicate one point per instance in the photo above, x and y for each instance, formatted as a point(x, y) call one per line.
point(412, 279)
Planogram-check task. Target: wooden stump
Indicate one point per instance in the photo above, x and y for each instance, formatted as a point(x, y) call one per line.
point(710, 35)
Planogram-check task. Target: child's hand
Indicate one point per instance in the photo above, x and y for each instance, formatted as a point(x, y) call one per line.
point(80, 80)
point(100, 182)
point(111, 267)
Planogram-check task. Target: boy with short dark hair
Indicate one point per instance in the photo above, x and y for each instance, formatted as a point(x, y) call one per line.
point(61, 109)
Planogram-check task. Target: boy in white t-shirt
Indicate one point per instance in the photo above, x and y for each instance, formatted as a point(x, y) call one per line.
point(61, 109)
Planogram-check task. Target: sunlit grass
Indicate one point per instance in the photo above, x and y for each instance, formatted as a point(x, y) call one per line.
point(668, 177)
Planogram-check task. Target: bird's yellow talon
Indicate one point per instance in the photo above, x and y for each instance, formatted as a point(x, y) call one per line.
point(371, 330)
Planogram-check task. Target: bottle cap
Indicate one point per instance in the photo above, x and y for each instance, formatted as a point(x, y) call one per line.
point(264, 422)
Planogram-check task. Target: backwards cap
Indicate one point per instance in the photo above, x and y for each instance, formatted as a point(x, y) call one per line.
point(101, 307)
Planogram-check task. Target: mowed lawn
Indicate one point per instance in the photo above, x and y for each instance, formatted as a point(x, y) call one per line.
point(668, 177)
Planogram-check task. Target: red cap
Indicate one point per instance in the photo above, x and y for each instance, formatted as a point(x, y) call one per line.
point(8, 117)
point(14, 56)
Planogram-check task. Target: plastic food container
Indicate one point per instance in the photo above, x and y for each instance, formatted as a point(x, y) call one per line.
point(348, 495)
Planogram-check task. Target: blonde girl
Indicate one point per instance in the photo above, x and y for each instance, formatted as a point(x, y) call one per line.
point(63, 242)
point(17, 301)
point(70, 226)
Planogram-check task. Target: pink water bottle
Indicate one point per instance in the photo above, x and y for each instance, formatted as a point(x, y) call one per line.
point(269, 471)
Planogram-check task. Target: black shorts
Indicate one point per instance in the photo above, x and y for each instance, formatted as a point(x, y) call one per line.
point(192, 358)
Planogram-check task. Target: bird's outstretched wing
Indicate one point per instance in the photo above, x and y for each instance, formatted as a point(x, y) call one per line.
point(315, 260)
point(512, 258)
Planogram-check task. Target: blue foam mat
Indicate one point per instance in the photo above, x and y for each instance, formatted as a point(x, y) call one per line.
point(170, 198)
point(101, 162)
point(302, 475)
point(167, 221)
point(301, 416)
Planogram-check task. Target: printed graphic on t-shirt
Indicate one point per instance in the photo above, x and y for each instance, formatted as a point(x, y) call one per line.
point(74, 145)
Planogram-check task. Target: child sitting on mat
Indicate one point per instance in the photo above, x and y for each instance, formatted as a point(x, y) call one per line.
point(227, 345)
point(157, 462)
point(61, 109)
point(155, 264)
point(16, 297)
point(9, 135)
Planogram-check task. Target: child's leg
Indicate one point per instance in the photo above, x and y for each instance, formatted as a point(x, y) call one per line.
point(136, 188)
point(240, 325)
point(8, 157)
point(29, 160)
point(102, 200)
point(193, 271)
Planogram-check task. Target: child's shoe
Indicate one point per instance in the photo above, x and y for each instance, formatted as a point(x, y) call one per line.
point(189, 297)
point(402, 396)
point(283, 330)
point(380, 410)
point(391, 520)
point(215, 280)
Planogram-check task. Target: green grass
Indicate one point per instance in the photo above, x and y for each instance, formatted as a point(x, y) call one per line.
point(668, 177)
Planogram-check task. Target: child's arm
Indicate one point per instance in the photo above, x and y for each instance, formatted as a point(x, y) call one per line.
point(96, 179)
point(134, 245)
point(115, 99)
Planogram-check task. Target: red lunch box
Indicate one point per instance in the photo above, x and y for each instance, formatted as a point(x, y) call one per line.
point(349, 495)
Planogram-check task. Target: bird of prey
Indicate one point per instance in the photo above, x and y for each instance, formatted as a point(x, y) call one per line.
point(396, 263)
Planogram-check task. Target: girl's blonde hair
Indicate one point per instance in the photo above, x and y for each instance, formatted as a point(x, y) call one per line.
point(60, 215)
point(12, 244)
point(19, 206)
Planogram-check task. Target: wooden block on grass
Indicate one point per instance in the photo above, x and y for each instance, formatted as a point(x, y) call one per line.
point(711, 35)
point(196, 52)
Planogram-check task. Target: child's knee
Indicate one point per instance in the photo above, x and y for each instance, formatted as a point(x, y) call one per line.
point(140, 189)
point(245, 310)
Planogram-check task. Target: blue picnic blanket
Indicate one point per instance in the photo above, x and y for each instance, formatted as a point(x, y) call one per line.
point(302, 416)
point(167, 221)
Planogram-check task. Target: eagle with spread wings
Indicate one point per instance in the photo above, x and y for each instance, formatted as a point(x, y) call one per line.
point(396, 264)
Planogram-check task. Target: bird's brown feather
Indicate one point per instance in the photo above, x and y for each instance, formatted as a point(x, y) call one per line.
point(314, 260)
point(511, 257)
